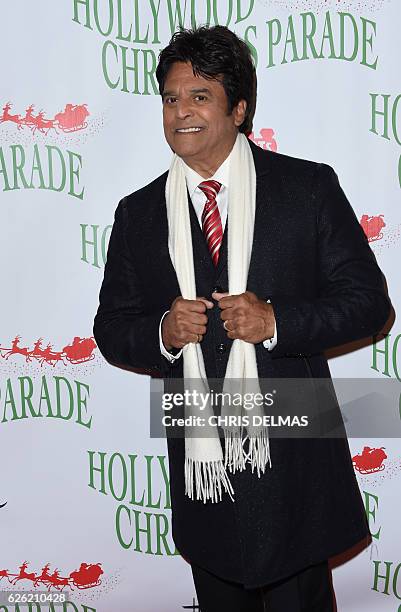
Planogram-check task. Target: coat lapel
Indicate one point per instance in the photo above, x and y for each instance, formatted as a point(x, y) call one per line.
point(267, 246)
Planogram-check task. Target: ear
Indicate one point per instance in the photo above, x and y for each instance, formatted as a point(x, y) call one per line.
point(239, 112)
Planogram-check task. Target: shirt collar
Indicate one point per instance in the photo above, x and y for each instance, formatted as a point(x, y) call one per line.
point(193, 178)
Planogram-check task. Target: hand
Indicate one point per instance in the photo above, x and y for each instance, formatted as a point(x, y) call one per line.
point(246, 317)
point(186, 322)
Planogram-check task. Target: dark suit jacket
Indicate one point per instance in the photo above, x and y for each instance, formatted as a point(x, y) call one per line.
point(311, 258)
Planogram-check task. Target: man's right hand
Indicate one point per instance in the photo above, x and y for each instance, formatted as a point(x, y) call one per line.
point(186, 322)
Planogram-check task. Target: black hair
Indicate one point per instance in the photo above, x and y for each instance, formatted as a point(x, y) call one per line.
point(214, 53)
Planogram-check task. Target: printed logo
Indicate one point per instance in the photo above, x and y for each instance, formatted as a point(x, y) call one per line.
point(86, 577)
point(372, 226)
point(142, 521)
point(266, 139)
point(133, 35)
point(71, 119)
point(79, 351)
point(370, 460)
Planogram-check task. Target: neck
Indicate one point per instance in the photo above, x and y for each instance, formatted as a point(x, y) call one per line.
point(207, 168)
point(205, 171)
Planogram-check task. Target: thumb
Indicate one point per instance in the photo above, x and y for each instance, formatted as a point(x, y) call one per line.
point(207, 303)
point(218, 296)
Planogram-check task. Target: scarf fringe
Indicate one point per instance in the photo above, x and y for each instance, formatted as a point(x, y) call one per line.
point(259, 451)
point(210, 477)
point(258, 454)
point(235, 457)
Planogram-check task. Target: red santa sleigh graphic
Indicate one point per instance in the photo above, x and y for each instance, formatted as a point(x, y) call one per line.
point(71, 119)
point(370, 460)
point(372, 226)
point(79, 351)
point(86, 577)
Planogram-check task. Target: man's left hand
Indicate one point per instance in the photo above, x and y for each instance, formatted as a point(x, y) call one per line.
point(246, 317)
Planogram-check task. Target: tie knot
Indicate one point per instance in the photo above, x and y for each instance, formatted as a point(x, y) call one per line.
point(210, 189)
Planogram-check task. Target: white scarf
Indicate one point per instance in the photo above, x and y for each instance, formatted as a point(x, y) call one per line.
point(205, 470)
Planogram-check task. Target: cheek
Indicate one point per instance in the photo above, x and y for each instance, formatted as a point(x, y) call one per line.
point(220, 128)
point(166, 116)
point(168, 136)
point(167, 128)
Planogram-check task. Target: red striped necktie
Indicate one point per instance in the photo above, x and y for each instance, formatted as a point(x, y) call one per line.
point(211, 221)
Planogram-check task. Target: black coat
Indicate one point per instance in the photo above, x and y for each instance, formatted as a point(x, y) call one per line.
point(311, 258)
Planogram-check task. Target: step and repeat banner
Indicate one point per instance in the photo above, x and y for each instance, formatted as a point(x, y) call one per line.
point(85, 512)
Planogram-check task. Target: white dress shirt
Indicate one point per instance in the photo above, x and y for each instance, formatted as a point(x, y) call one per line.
point(198, 198)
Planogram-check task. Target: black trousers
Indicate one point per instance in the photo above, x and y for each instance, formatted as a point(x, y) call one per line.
point(307, 591)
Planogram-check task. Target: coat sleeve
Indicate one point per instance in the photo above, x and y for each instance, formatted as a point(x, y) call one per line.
point(352, 302)
point(125, 329)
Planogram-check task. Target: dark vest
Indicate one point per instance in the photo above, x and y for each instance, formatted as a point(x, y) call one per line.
point(215, 345)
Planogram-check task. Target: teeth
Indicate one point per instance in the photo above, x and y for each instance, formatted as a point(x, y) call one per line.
point(192, 129)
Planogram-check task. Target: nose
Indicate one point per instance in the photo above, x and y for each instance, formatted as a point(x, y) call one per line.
point(183, 109)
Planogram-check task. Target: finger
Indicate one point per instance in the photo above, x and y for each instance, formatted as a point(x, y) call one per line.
point(184, 328)
point(196, 329)
point(225, 300)
point(226, 326)
point(194, 318)
point(207, 302)
point(235, 321)
point(185, 337)
point(238, 332)
point(234, 335)
point(226, 314)
point(191, 306)
point(218, 296)
point(186, 325)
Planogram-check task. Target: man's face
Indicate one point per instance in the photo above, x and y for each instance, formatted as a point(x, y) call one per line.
point(195, 120)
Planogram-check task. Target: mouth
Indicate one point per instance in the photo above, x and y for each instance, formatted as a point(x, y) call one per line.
point(188, 130)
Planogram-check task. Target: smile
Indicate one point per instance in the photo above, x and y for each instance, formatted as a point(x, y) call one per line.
point(188, 130)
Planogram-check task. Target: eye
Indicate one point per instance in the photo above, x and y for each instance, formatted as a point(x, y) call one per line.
point(200, 97)
point(169, 100)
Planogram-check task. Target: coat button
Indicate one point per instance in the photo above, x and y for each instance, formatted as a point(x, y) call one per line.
point(221, 348)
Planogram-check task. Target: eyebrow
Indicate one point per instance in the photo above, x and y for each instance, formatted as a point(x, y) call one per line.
point(192, 91)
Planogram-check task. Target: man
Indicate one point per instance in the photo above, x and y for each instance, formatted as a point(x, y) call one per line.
point(244, 252)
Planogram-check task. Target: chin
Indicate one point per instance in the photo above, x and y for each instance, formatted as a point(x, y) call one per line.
point(185, 151)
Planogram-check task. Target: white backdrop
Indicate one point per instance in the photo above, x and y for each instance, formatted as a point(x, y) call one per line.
point(81, 480)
